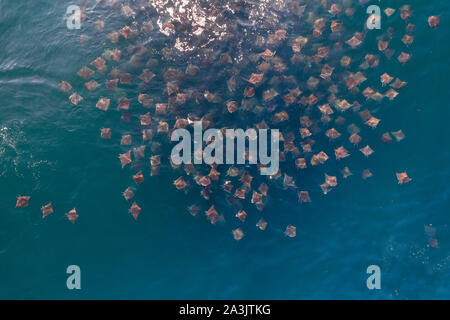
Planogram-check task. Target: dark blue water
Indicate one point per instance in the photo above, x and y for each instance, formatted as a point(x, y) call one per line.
point(52, 151)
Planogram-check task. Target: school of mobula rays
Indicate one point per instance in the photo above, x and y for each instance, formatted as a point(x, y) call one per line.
point(270, 75)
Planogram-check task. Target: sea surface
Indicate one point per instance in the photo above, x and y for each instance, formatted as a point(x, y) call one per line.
point(51, 150)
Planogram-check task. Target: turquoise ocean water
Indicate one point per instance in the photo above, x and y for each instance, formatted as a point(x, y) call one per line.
point(52, 151)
